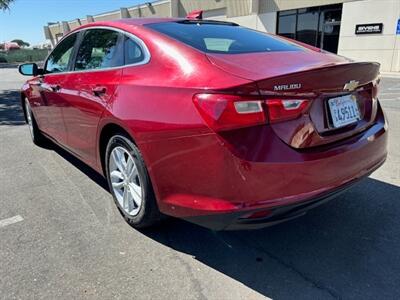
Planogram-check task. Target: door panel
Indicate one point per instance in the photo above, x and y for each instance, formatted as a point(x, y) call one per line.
point(37, 102)
point(83, 108)
point(88, 89)
point(52, 91)
point(51, 87)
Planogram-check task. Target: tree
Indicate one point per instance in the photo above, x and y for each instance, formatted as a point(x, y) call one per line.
point(20, 43)
point(5, 4)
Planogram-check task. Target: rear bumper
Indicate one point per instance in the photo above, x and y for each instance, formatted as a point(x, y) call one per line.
point(240, 221)
point(216, 181)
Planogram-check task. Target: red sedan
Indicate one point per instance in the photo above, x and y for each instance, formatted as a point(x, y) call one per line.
point(208, 121)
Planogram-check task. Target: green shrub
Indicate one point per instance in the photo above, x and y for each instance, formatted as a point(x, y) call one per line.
point(25, 55)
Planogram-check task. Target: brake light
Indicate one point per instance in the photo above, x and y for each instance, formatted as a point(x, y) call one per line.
point(285, 109)
point(224, 112)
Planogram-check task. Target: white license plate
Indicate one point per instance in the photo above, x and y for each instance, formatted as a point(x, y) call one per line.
point(344, 110)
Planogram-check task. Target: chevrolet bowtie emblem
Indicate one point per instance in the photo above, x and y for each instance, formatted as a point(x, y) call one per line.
point(351, 85)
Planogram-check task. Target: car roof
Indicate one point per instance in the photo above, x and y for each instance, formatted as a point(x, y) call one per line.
point(128, 22)
point(143, 21)
point(125, 24)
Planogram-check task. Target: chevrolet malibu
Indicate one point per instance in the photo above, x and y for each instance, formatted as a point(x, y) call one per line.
point(208, 121)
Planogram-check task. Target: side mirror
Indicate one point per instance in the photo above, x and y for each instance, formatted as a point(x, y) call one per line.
point(30, 69)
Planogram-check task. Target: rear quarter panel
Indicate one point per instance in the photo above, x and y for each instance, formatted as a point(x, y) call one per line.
point(153, 102)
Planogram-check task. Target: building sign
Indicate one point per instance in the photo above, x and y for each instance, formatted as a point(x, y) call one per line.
point(369, 28)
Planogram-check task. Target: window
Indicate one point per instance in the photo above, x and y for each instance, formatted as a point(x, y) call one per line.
point(99, 49)
point(287, 26)
point(133, 52)
point(221, 45)
point(307, 26)
point(317, 26)
point(221, 37)
point(59, 59)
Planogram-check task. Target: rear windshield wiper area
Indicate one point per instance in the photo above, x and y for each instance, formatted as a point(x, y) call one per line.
point(208, 22)
point(211, 36)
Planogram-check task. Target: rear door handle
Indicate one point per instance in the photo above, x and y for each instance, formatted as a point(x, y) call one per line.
point(55, 87)
point(48, 87)
point(99, 90)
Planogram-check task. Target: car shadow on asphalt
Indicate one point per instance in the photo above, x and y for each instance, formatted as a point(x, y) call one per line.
point(84, 168)
point(11, 113)
point(347, 248)
point(10, 108)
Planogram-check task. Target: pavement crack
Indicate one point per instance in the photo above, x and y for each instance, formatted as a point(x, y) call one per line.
point(304, 276)
point(195, 282)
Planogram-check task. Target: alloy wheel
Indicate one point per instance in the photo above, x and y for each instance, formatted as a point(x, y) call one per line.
point(125, 180)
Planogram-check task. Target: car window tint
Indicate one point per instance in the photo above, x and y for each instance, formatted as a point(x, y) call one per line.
point(133, 52)
point(222, 37)
point(58, 60)
point(221, 45)
point(99, 49)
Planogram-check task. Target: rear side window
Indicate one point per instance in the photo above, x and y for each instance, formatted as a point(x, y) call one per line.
point(59, 59)
point(216, 37)
point(133, 52)
point(99, 49)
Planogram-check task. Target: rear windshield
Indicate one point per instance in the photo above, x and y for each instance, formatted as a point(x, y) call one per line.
point(220, 37)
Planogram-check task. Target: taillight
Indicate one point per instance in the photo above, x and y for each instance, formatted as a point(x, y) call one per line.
point(224, 112)
point(285, 109)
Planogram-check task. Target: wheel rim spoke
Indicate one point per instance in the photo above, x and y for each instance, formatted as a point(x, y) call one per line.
point(132, 172)
point(125, 180)
point(116, 175)
point(116, 155)
point(118, 185)
point(136, 192)
point(126, 199)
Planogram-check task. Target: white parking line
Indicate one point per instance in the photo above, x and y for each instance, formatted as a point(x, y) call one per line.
point(12, 220)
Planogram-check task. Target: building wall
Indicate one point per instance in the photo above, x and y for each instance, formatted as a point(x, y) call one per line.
point(233, 8)
point(277, 5)
point(238, 8)
point(109, 16)
point(262, 22)
point(262, 15)
point(161, 9)
point(186, 6)
point(157, 9)
point(383, 48)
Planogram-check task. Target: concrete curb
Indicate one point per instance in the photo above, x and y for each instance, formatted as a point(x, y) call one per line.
point(8, 65)
point(391, 74)
point(15, 65)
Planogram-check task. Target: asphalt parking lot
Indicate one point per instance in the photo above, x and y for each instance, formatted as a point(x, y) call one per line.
point(61, 236)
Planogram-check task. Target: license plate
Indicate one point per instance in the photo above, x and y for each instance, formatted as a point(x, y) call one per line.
point(344, 110)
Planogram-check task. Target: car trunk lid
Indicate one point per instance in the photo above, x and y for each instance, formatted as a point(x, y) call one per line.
point(316, 77)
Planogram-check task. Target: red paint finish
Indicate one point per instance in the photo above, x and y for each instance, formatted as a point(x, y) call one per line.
point(82, 108)
point(195, 168)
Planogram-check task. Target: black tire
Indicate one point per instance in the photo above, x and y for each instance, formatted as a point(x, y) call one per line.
point(37, 137)
point(148, 213)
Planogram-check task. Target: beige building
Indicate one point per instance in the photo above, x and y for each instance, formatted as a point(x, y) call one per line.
point(359, 29)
